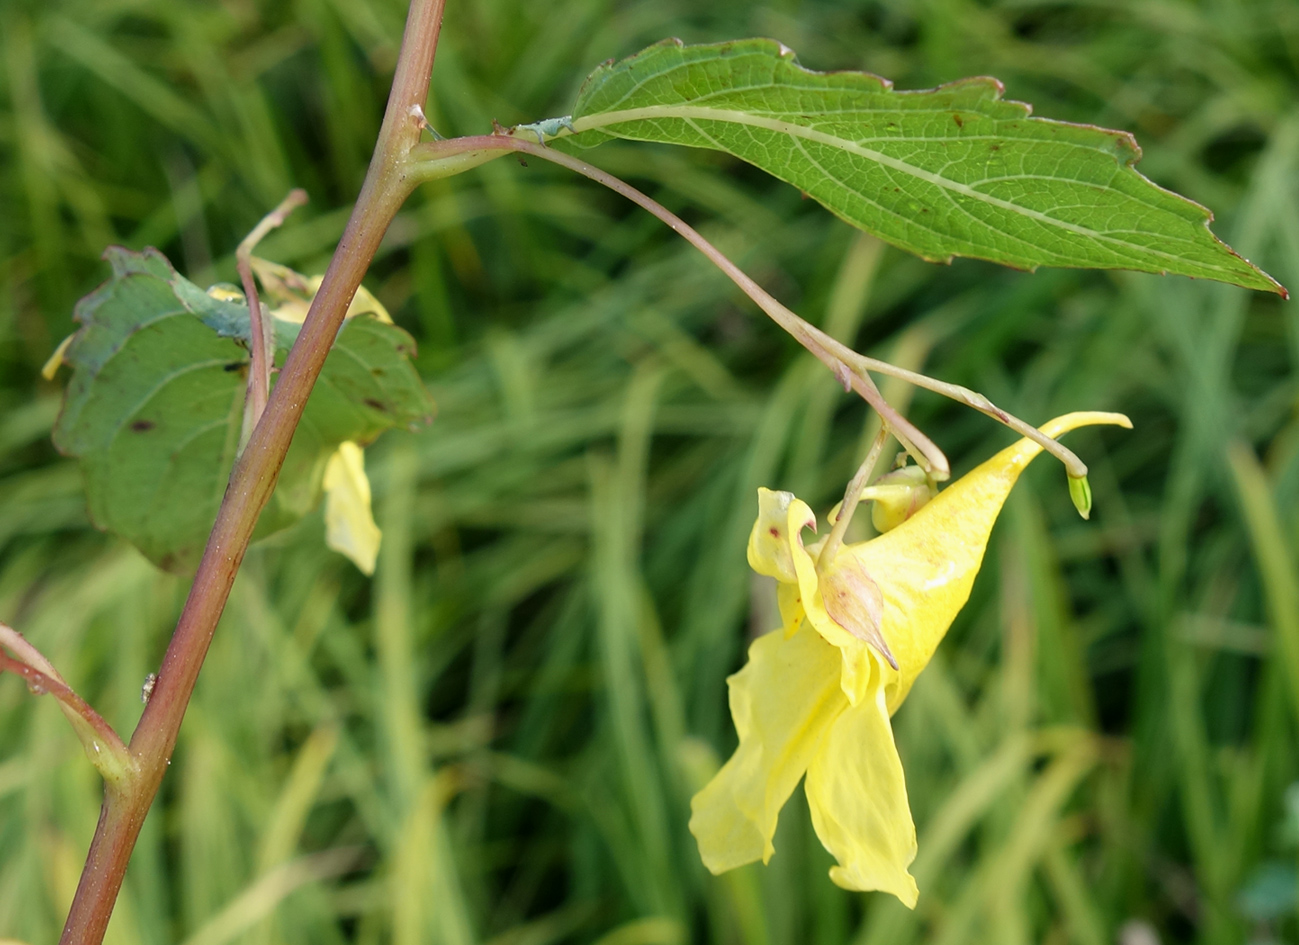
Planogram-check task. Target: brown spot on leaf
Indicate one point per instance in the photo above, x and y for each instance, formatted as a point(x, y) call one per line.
point(960, 122)
point(140, 426)
point(376, 404)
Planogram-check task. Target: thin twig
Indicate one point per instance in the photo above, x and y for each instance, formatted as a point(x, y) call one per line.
point(263, 337)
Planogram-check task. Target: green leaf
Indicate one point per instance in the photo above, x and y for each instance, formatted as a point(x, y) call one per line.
point(953, 171)
point(155, 405)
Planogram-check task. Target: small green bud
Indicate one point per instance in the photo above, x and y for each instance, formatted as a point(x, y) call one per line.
point(1080, 491)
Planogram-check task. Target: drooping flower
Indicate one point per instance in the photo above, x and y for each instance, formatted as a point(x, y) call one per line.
point(817, 699)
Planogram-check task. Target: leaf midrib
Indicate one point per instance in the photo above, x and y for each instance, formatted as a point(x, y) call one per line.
point(604, 120)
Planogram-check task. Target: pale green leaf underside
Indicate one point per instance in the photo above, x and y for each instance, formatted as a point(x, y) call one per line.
point(154, 408)
point(953, 171)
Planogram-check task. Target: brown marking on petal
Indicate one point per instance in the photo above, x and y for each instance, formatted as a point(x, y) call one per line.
point(775, 532)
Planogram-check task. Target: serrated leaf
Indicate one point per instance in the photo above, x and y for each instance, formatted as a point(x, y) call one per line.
point(154, 407)
point(952, 171)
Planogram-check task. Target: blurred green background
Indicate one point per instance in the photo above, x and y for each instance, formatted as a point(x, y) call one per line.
point(495, 740)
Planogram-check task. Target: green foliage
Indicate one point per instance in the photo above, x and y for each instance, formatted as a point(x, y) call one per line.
point(155, 406)
point(493, 741)
point(951, 171)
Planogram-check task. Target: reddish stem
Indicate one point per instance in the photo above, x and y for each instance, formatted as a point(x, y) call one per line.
point(251, 483)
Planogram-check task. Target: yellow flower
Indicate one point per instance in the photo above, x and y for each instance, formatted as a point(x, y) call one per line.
point(817, 698)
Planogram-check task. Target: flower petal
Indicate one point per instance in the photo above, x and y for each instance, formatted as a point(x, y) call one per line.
point(926, 566)
point(858, 798)
point(55, 360)
point(349, 523)
point(783, 703)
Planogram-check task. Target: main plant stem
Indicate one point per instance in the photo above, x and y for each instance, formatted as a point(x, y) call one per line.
point(127, 802)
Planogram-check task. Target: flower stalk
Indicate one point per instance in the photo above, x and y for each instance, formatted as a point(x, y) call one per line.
point(852, 495)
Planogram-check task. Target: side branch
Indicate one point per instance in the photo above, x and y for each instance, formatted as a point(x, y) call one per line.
point(102, 744)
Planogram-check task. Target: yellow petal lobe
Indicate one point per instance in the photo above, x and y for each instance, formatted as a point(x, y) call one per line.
point(349, 523)
point(783, 702)
point(858, 797)
point(777, 530)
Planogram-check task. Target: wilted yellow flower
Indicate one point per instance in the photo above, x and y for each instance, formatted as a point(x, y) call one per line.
point(349, 523)
point(817, 698)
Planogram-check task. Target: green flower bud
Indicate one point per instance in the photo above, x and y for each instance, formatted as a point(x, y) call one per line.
point(1080, 491)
